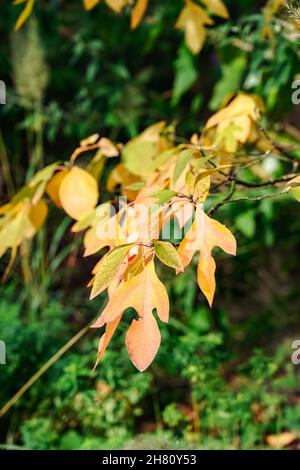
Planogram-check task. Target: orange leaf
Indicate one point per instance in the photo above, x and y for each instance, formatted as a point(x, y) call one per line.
point(106, 338)
point(203, 236)
point(143, 292)
point(138, 12)
point(277, 441)
point(89, 4)
point(143, 341)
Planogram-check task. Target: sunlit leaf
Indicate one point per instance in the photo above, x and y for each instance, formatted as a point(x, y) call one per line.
point(203, 236)
point(78, 193)
point(143, 341)
point(192, 20)
point(53, 186)
point(138, 12)
point(25, 14)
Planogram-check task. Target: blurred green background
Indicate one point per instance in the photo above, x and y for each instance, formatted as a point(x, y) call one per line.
point(223, 378)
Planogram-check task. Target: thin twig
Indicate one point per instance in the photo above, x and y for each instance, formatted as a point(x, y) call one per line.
point(243, 199)
point(43, 369)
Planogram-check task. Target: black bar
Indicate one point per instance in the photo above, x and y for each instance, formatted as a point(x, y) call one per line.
point(138, 459)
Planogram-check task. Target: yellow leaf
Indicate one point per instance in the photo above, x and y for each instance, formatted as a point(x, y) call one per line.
point(115, 5)
point(78, 193)
point(123, 177)
point(108, 149)
point(15, 231)
point(217, 7)
point(93, 244)
point(203, 236)
point(294, 182)
point(198, 185)
point(294, 187)
point(242, 105)
point(143, 341)
point(92, 139)
point(53, 186)
point(192, 20)
point(148, 151)
point(37, 214)
point(138, 12)
point(277, 441)
point(89, 4)
point(168, 255)
point(25, 14)
point(234, 124)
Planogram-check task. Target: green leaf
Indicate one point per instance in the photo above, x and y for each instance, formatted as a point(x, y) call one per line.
point(230, 82)
point(136, 186)
point(182, 162)
point(108, 267)
point(246, 223)
point(296, 193)
point(185, 73)
point(163, 196)
point(168, 255)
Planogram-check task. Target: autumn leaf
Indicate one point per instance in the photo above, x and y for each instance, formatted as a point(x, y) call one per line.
point(108, 267)
point(138, 12)
point(53, 186)
point(294, 187)
point(78, 193)
point(217, 7)
point(143, 292)
point(198, 185)
point(37, 214)
point(168, 255)
point(192, 20)
point(115, 5)
point(22, 224)
point(234, 124)
point(278, 441)
point(143, 341)
point(91, 139)
point(181, 163)
point(105, 339)
point(203, 236)
point(89, 4)
point(25, 13)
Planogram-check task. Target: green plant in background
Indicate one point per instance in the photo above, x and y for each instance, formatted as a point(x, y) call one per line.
point(201, 399)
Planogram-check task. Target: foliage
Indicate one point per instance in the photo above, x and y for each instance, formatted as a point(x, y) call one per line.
point(216, 79)
point(175, 182)
point(172, 185)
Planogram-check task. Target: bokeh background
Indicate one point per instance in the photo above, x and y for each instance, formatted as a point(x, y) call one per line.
point(223, 377)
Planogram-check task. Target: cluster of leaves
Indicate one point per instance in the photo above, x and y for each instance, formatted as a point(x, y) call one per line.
point(165, 184)
point(193, 18)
